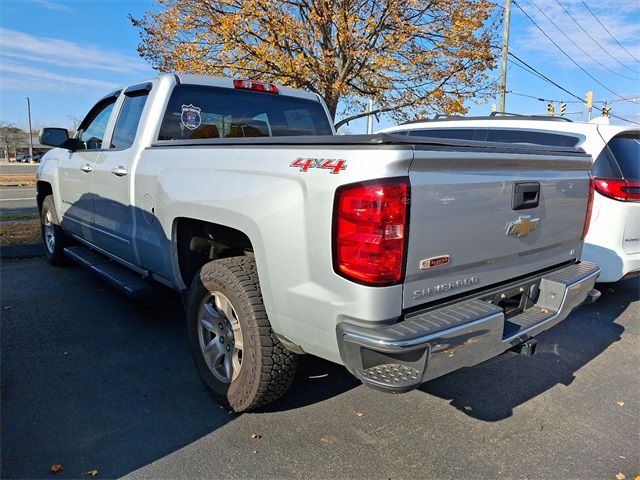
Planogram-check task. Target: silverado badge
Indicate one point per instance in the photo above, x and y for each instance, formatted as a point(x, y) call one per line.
point(523, 226)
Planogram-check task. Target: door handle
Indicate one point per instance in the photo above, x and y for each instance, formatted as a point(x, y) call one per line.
point(119, 171)
point(86, 168)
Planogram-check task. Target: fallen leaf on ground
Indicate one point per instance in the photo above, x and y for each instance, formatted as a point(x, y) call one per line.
point(620, 476)
point(468, 408)
point(56, 468)
point(91, 473)
point(620, 403)
point(326, 439)
point(256, 435)
point(637, 477)
point(358, 414)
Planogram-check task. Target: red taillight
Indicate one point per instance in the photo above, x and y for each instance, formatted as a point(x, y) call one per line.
point(371, 227)
point(587, 218)
point(255, 86)
point(622, 190)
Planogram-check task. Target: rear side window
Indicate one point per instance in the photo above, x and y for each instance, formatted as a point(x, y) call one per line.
point(626, 151)
point(452, 133)
point(128, 120)
point(530, 136)
point(605, 166)
point(196, 111)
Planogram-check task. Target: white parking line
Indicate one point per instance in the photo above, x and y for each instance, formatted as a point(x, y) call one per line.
point(15, 199)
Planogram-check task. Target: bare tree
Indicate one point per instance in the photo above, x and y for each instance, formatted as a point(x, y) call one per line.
point(11, 138)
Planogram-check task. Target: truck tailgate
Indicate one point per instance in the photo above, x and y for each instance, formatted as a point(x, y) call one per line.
point(466, 230)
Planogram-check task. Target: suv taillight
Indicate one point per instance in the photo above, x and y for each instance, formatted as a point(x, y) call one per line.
point(371, 222)
point(587, 218)
point(617, 189)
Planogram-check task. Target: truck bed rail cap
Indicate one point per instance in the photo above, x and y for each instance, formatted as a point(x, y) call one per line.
point(376, 139)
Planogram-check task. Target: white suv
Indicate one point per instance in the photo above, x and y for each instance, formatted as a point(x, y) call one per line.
point(613, 241)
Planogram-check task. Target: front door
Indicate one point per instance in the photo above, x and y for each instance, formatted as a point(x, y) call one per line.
point(76, 206)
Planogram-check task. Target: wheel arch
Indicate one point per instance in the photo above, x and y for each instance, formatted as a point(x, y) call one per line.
point(43, 189)
point(198, 242)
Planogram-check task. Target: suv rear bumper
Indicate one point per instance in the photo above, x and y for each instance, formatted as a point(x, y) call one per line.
point(433, 342)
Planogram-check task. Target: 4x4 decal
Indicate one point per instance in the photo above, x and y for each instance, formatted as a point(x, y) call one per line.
point(332, 164)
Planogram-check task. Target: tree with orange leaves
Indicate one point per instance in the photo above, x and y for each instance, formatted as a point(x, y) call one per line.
point(423, 56)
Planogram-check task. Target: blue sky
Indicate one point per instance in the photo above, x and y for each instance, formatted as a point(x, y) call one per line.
point(64, 55)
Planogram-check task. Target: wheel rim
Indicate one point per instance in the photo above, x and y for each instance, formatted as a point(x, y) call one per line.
point(220, 337)
point(49, 236)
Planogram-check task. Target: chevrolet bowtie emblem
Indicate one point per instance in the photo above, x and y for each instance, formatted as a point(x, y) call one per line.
point(523, 226)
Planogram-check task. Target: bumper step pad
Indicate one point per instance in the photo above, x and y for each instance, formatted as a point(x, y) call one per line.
point(392, 375)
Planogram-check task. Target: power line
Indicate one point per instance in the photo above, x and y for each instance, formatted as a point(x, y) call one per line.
point(623, 119)
point(544, 77)
point(511, 92)
point(593, 39)
point(606, 30)
point(575, 44)
point(545, 99)
point(566, 54)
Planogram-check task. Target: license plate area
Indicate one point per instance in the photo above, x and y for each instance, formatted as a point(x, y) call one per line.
point(517, 299)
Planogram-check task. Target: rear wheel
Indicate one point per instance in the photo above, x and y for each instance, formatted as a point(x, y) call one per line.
point(235, 350)
point(53, 238)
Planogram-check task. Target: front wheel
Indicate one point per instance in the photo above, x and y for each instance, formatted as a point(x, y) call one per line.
point(235, 350)
point(53, 237)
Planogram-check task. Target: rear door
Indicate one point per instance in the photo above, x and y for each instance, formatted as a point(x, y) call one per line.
point(112, 178)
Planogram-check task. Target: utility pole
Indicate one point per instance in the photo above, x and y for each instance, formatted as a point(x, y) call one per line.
point(30, 137)
point(370, 118)
point(505, 56)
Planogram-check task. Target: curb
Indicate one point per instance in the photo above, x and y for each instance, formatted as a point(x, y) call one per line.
point(21, 251)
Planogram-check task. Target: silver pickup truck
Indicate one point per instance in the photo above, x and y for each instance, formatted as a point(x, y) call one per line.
point(401, 258)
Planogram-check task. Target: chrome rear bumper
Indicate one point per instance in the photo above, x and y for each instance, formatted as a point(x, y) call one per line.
point(428, 344)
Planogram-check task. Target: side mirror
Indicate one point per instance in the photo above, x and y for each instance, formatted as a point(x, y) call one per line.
point(59, 137)
point(53, 137)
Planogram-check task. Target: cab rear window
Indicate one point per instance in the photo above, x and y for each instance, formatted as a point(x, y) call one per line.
point(197, 112)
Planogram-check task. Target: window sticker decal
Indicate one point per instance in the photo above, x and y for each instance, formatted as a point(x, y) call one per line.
point(190, 116)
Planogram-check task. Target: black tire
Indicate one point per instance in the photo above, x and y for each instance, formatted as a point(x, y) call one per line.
point(53, 237)
point(266, 368)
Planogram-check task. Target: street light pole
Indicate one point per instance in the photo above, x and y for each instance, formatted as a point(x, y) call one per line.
point(30, 137)
point(505, 56)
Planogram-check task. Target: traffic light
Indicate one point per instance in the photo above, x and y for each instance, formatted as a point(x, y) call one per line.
point(551, 108)
point(563, 109)
point(589, 100)
point(605, 111)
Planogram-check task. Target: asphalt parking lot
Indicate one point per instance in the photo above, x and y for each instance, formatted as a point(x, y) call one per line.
point(93, 380)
